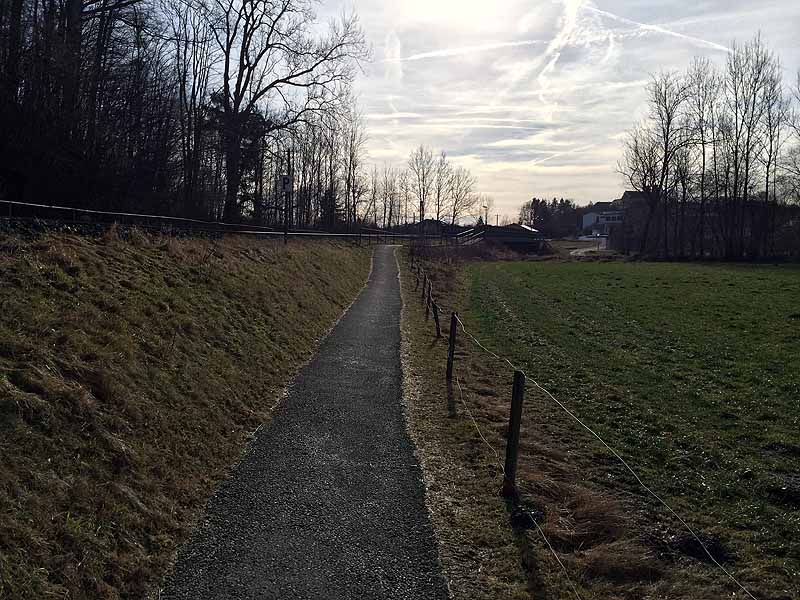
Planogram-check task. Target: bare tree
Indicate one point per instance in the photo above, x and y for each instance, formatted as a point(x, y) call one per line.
point(404, 185)
point(193, 61)
point(792, 163)
point(641, 166)
point(703, 89)
point(441, 184)
point(668, 93)
point(76, 12)
point(374, 196)
point(720, 136)
point(684, 173)
point(421, 164)
point(186, 107)
point(749, 70)
point(462, 194)
point(355, 140)
point(271, 56)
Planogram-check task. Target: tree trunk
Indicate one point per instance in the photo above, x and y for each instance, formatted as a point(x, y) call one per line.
point(703, 207)
point(14, 54)
point(72, 65)
point(666, 227)
point(233, 173)
point(652, 206)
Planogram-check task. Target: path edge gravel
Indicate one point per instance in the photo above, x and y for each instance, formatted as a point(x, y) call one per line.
point(409, 392)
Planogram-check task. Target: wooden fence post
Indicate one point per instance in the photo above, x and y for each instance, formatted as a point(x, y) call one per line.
point(451, 346)
point(512, 445)
point(424, 285)
point(436, 320)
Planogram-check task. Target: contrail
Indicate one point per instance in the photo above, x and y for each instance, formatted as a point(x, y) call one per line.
point(533, 163)
point(656, 29)
point(553, 53)
point(464, 50)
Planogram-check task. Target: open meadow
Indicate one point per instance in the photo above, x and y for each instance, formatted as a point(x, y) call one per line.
point(691, 372)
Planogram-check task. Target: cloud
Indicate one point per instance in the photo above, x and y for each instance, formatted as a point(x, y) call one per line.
point(393, 71)
point(535, 95)
point(392, 115)
point(564, 153)
point(658, 29)
point(611, 49)
point(465, 50)
point(568, 24)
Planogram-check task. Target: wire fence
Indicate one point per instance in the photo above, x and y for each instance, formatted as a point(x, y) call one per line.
point(502, 470)
point(26, 212)
point(427, 296)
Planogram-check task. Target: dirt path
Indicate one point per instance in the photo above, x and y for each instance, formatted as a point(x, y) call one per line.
point(328, 501)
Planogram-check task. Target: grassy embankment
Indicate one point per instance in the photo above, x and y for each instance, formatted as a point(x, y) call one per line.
point(131, 374)
point(692, 372)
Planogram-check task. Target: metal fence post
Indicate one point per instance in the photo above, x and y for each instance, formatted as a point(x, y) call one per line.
point(436, 320)
point(451, 346)
point(512, 445)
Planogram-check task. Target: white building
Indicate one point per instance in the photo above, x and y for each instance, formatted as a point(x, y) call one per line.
point(602, 217)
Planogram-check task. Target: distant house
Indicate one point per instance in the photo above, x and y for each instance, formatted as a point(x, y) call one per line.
point(432, 227)
point(602, 217)
point(519, 237)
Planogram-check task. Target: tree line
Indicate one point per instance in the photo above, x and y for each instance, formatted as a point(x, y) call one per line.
point(557, 218)
point(182, 107)
point(429, 186)
point(716, 162)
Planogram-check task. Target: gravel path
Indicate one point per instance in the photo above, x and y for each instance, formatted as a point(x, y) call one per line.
point(328, 502)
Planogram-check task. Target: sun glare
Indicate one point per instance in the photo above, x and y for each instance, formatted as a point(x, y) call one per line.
point(465, 15)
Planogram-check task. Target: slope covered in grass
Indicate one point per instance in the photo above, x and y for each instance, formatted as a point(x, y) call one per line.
point(131, 373)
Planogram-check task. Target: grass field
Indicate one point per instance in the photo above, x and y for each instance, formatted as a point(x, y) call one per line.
point(692, 372)
point(132, 373)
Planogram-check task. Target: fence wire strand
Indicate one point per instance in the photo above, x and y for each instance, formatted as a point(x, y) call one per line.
point(478, 429)
point(558, 559)
point(484, 348)
point(503, 471)
point(645, 486)
point(605, 444)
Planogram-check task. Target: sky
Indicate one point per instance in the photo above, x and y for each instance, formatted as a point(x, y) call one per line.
point(535, 96)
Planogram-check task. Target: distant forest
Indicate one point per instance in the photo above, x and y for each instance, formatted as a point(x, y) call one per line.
point(199, 109)
point(554, 219)
point(716, 163)
point(181, 107)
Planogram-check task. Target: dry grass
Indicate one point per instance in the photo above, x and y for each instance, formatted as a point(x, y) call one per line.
point(601, 538)
point(131, 374)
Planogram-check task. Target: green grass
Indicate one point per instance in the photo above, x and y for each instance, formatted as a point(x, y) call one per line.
point(691, 371)
point(131, 375)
